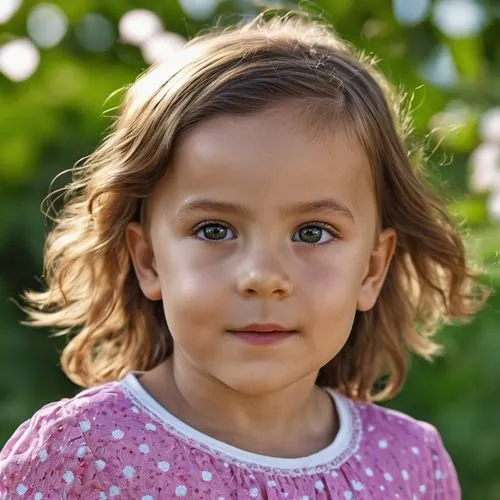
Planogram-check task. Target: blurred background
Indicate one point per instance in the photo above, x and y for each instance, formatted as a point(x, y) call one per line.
point(61, 60)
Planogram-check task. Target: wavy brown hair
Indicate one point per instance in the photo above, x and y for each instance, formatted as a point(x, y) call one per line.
point(92, 292)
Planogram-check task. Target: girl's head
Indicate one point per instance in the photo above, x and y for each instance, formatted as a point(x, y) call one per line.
point(259, 176)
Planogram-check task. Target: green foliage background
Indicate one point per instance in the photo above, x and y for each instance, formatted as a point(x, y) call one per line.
point(56, 117)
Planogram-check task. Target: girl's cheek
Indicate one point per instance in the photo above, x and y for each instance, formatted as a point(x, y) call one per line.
point(193, 253)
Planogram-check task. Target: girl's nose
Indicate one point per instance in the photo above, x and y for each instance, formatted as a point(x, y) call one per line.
point(264, 277)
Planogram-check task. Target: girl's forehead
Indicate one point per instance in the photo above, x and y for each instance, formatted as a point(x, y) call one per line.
point(278, 132)
point(267, 154)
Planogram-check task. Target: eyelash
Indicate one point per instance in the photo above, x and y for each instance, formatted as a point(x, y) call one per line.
point(331, 230)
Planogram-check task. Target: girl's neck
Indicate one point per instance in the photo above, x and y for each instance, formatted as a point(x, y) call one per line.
point(296, 421)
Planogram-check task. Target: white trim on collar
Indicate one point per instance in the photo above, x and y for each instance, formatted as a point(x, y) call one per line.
point(344, 445)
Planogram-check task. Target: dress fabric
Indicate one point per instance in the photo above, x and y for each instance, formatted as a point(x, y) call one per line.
point(116, 442)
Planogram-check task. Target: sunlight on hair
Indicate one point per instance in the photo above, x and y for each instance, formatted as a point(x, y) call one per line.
point(455, 125)
point(19, 59)
point(160, 46)
point(47, 24)
point(139, 25)
point(459, 18)
point(8, 8)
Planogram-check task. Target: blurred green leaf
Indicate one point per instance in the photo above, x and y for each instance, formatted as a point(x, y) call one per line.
point(467, 53)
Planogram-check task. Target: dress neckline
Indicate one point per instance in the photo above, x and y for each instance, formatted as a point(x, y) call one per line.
point(344, 445)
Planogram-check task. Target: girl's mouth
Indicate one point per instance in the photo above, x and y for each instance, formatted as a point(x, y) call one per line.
point(263, 339)
point(262, 334)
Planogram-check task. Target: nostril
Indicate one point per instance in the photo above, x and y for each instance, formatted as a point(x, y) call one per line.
point(257, 284)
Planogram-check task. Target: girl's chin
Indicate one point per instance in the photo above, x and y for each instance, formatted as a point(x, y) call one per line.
point(263, 381)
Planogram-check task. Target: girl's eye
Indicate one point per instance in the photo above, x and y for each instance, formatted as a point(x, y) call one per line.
point(214, 232)
point(313, 234)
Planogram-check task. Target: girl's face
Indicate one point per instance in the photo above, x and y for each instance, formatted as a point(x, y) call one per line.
point(258, 221)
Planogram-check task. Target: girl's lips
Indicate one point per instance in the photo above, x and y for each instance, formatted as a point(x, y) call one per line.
point(263, 338)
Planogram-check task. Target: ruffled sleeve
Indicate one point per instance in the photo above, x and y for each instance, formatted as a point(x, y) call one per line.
point(444, 475)
point(47, 457)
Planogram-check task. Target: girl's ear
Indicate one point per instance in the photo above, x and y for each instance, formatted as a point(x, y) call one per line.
point(378, 265)
point(143, 260)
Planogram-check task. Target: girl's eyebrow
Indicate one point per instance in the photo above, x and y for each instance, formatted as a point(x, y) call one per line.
point(327, 205)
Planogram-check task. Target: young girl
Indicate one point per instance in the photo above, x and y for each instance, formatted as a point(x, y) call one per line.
point(244, 257)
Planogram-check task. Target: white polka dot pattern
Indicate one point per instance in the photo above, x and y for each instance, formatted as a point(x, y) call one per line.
point(206, 476)
point(106, 444)
point(180, 491)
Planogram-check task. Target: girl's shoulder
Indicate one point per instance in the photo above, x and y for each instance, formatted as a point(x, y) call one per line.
point(416, 446)
point(108, 440)
point(50, 450)
point(68, 417)
point(383, 426)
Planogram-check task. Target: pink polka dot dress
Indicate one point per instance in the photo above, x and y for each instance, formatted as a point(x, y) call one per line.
point(116, 442)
